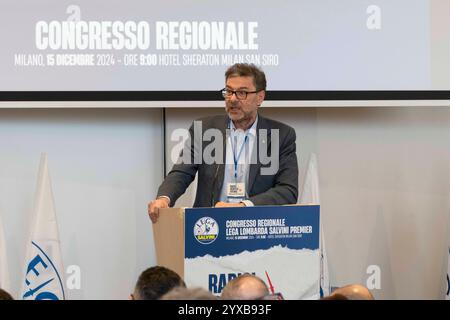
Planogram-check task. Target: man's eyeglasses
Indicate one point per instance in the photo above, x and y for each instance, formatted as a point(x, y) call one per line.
point(240, 94)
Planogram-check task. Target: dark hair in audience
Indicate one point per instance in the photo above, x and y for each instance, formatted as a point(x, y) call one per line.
point(248, 70)
point(5, 295)
point(155, 282)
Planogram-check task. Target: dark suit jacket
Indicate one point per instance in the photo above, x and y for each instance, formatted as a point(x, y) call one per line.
point(278, 189)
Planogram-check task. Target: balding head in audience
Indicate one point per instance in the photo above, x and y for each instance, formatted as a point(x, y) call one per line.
point(352, 292)
point(245, 287)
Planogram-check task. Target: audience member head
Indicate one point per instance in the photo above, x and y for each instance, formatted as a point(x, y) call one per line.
point(335, 296)
point(155, 282)
point(245, 287)
point(353, 292)
point(5, 295)
point(181, 293)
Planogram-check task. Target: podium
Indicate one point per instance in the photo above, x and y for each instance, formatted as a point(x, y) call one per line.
point(168, 236)
point(210, 246)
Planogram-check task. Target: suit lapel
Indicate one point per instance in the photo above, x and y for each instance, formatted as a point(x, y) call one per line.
point(265, 145)
point(221, 168)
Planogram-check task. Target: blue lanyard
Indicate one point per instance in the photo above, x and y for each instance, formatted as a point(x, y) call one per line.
point(236, 159)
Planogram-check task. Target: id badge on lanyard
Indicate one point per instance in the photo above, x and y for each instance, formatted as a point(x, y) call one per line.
point(236, 190)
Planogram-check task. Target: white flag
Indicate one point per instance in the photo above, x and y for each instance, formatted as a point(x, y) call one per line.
point(310, 191)
point(44, 269)
point(447, 294)
point(4, 273)
point(311, 195)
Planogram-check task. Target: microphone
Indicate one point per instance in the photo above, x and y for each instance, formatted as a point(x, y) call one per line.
point(214, 185)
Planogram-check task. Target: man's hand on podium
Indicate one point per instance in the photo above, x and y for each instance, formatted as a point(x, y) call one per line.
point(222, 204)
point(155, 205)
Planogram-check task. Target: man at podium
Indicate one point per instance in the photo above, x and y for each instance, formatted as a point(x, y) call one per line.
point(252, 160)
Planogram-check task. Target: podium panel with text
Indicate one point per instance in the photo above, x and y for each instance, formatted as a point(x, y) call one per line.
point(280, 244)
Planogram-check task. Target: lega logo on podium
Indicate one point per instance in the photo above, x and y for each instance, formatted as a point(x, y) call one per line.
point(206, 230)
